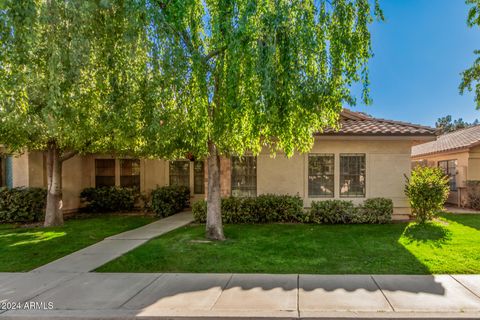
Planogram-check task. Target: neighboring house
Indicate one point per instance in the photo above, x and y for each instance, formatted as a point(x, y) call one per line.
point(366, 158)
point(458, 154)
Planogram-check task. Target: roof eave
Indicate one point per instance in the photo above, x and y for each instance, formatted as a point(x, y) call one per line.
point(448, 151)
point(410, 137)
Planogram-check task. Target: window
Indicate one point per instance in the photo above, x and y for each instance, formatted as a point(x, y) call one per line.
point(450, 169)
point(130, 173)
point(104, 172)
point(179, 173)
point(8, 165)
point(244, 176)
point(199, 177)
point(321, 175)
point(352, 175)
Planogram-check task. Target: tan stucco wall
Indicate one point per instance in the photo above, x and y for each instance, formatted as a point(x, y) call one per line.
point(474, 164)
point(28, 170)
point(386, 164)
point(155, 174)
point(20, 176)
point(74, 180)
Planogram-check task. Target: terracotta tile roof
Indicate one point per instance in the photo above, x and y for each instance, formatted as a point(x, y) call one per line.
point(457, 140)
point(356, 123)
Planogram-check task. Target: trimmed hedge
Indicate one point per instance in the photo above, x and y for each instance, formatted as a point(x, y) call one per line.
point(332, 211)
point(265, 208)
point(374, 210)
point(169, 200)
point(275, 208)
point(22, 204)
point(109, 199)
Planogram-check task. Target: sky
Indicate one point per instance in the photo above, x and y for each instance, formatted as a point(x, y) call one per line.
point(420, 50)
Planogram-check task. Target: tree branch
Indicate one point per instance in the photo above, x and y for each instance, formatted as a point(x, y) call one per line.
point(67, 155)
point(215, 53)
point(162, 5)
point(182, 34)
point(187, 40)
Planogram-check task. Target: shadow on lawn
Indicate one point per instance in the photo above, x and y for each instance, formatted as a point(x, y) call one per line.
point(279, 249)
point(431, 233)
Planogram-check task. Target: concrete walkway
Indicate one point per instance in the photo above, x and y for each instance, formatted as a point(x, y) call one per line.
point(156, 296)
point(458, 210)
point(96, 255)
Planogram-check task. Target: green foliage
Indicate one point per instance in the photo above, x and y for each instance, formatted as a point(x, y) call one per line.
point(199, 211)
point(109, 199)
point(445, 124)
point(376, 210)
point(473, 190)
point(267, 208)
point(278, 208)
point(22, 204)
point(449, 246)
point(169, 200)
point(25, 248)
point(71, 73)
point(332, 212)
point(283, 208)
point(471, 76)
point(427, 190)
point(245, 74)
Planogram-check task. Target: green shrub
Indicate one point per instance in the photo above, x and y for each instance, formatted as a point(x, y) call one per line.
point(109, 199)
point(376, 210)
point(265, 208)
point(169, 200)
point(427, 190)
point(22, 204)
point(199, 210)
point(473, 191)
point(332, 212)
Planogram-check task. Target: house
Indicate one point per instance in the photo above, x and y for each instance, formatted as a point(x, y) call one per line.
point(366, 158)
point(458, 154)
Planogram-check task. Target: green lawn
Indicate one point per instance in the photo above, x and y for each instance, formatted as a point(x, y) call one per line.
point(23, 249)
point(449, 245)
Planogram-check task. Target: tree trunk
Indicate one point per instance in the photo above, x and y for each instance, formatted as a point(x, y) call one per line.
point(54, 214)
point(214, 228)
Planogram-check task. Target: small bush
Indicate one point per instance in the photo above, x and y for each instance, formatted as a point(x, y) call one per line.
point(169, 200)
point(109, 199)
point(376, 210)
point(332, 212)
point(22, 204)
point(277, 208)
point(266, 208)
point(473, 189)
point(199, 210)
point(427, 190)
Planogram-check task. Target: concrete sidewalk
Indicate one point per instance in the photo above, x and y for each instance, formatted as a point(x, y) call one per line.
point(96, 255)
point(157, 296)
point(458, 210)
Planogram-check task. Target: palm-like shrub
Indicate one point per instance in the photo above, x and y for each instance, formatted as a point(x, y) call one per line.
point(427, 190)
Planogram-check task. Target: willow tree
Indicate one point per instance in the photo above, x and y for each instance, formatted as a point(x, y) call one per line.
point(69, 77)
point(471, 76)
point(236, 76)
